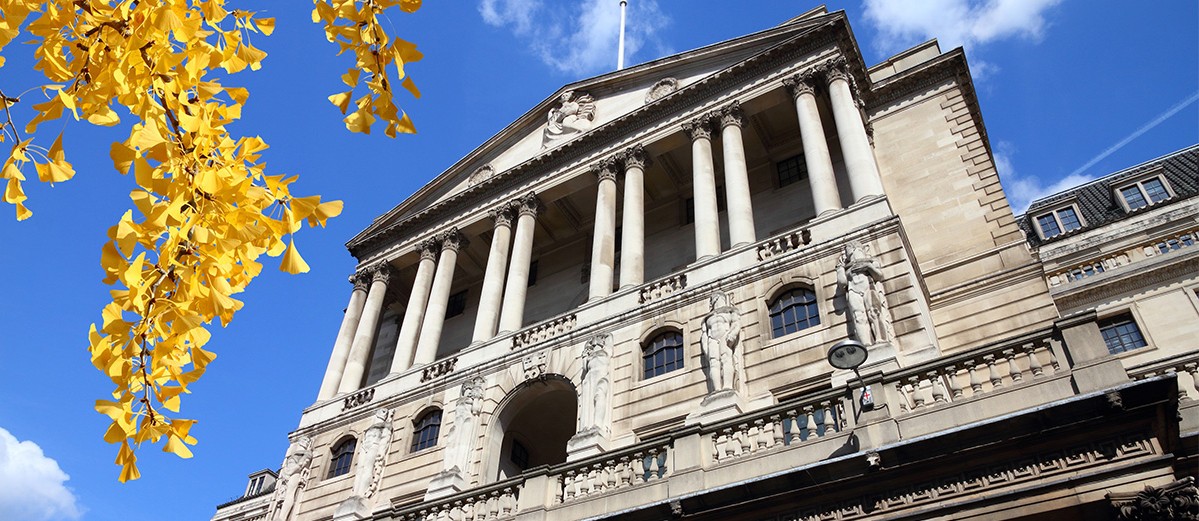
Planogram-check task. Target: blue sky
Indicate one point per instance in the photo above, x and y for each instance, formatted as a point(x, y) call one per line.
point(1069, 90)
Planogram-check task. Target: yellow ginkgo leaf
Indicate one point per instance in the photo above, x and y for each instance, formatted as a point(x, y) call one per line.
point(342, 100)
point(292, 262)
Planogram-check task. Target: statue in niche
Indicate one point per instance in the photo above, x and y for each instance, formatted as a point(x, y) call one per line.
point(595, 389)
point(293, 477)
point(574, 115)
point(860, 279)
point(721, 334)
point(460, 441)
point(368, 470)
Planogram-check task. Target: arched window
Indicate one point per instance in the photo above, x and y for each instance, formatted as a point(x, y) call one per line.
point(792, 311)
point(426, 430)
point(663, 354)
point(343, 455)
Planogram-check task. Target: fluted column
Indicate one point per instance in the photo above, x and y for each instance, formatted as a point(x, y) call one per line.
point(414, 313)
point(823, 182)
point(736, 177)
point(439, 297)
point(345, 338)
point(512, 314)
point(493, 279)
point(603, 245)
point(632, 229)
point(364, 334)
point(864, 178)
point(707, 218)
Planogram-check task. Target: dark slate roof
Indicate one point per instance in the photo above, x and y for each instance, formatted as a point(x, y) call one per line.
point(1097, 201)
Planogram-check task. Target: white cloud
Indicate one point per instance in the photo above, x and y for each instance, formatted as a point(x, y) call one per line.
point(32, 486)
point(967, 23)
point(1022, 189)
point(580, 37)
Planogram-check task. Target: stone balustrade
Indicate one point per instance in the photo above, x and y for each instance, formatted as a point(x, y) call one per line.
point(498, 501)
point(644, 463)
point(544, 331)
point(662, 288)
point(1184, 367)
point(1143, 251)
point(778, 428)
point(968, 375)
point(784, 243)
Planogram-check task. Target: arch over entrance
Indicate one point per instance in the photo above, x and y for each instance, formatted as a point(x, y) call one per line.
point(532, 427)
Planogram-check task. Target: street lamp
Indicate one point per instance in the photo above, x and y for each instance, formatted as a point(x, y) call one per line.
point(851, 354)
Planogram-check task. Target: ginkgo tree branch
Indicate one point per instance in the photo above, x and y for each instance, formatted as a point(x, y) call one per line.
point(204, 209)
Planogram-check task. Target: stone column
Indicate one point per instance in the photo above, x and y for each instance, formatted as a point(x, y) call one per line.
point(632, 230)
point(736, 177)
point(364, 335)
point(493, 279)
point(707, 218)
point(414, 313)
point(864, 179)
point(512, 314)
point(345, 338)
point(439, 297)
point(821, 179)
point(603, 245)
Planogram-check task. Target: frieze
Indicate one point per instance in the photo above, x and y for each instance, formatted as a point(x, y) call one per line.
point(358, 399)
point(438, 369)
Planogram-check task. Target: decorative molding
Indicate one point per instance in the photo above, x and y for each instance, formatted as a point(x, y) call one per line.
point(503, 215)
point(358, 399)
point(438, 369)
point(528, 204)
point(800, 84)
point(535, 365)
point(1177, 500)
point(636, 157)
point(731, 114)
point(784, 243)
point(360, 281)
point(428, 249)
point(699, 127)
point(480, 174)
point(663, 288)
point(544, 331)
point(381, 273)
point(664, 87)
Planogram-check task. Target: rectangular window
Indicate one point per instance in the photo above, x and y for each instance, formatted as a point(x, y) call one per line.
point(532, 273)
point(456, 305)
point(1069, 219)
point(1058, 222)
point(791, 170)
point(1144, 193)
point(1121, 333)
point(1049, 226)
point(520, 455)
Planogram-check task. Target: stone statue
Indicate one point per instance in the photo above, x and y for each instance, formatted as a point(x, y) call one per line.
point(460, 441)
point(595, 390)
point(372, 454)
point(293, 477)
point(860, 279)
point(721, 333)
point(574, 115)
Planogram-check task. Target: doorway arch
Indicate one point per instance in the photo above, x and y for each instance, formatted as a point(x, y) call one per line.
point(532, 427)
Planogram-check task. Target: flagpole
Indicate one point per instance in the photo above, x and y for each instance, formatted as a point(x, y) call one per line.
point(620, 46)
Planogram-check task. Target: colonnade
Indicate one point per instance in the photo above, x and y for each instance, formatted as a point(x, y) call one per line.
point(502, 298)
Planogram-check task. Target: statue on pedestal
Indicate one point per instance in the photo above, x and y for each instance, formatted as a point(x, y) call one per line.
point(293, 477)
point(721, 334)
point(860, 279)
point(595, 389)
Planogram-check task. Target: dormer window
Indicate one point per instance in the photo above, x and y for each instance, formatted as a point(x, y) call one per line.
point(1058, 222)
point(1145, 192)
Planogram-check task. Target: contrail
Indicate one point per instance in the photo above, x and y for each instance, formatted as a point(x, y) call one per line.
point(1148, 126)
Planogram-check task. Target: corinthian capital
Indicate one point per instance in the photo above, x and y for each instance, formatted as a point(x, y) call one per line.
point(503, 215)
point(528, 204)
point(699, 128)
point(800, 84)
point(636, 157)
point(606, 169)
point(380, 273)
point(360, 280)
point(835, 69)
point(452, 239)
point(428, 249)
point(731, 114)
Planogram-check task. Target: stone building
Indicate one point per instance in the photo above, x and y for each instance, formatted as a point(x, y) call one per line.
point(622, 306)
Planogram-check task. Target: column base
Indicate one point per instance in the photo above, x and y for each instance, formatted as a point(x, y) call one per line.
point(719, 405)
point(446, 483)
point(355, 508)
point(590, 442)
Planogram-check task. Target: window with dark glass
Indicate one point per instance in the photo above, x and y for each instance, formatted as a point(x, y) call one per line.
point(532, 273)
point(1155, 189)
point(1058, 222)
point(456, 305)
point(1144, 193)
point(663, 354)
point(343, 455)
point(791, 170)
point(1049, 226)
point(426, 430)
point(1132, 196)
point(1121, 333)
point(1069, 219)
point(519, 455)
point(793, 311)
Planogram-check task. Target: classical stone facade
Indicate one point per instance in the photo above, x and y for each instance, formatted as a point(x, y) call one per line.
point(622, 306)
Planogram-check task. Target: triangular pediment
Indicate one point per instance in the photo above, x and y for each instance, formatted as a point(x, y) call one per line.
point(579, 107)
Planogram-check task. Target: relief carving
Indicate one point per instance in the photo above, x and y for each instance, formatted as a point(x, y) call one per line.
point(574, 115)
point(721, 334)
point(664, 87)
point(372, 456)
point(293, 477)
point(595, 388)
point(460, 441)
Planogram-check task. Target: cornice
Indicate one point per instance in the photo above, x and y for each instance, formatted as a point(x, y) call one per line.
point(833, 31)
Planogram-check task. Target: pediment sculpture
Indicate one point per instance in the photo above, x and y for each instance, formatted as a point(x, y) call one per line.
point(574, 115)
